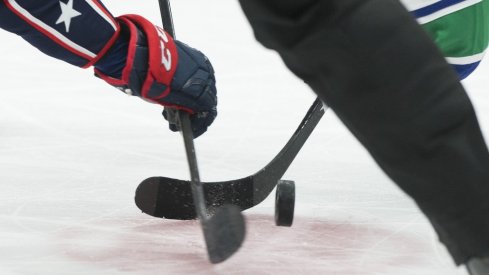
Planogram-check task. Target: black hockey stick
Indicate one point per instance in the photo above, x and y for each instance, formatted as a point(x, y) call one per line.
point(172, 198)
point(224, 231)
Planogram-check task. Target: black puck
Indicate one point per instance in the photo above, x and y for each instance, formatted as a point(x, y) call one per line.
point(284, 203)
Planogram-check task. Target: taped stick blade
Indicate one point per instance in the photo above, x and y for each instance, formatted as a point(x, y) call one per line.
point(165, 198)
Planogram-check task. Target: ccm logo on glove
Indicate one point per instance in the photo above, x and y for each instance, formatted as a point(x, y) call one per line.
point(165, 52)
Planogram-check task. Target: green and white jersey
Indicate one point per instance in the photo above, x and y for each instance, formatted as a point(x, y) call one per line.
point(460, 28)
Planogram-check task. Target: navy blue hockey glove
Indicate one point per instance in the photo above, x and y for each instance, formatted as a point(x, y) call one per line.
point(146, 62)
point(195, 80)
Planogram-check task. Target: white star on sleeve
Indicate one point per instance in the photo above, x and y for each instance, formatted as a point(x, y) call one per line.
point(67, 13)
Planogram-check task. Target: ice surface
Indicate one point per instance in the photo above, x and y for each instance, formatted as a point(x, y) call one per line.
point(73, 150)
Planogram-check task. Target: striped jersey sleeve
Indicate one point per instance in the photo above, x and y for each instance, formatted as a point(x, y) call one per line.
point(76, 31)
point(460, 28)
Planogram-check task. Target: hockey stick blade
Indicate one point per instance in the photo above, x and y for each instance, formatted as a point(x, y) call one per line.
point(224, 233)
point(172, 198)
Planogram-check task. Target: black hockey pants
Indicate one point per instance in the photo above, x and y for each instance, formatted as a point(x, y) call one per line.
point(386, 80)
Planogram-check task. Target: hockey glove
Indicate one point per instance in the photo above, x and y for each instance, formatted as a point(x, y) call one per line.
point(146, 62)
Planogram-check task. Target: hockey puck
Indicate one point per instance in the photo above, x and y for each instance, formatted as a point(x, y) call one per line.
point(284, 203)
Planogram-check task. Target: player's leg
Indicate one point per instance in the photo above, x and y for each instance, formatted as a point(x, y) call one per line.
point(388, 82)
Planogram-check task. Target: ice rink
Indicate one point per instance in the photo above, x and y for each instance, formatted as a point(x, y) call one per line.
point(73, 150)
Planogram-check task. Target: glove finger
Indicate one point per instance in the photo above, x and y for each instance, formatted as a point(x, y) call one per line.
point(171, 121)
point(201, 121)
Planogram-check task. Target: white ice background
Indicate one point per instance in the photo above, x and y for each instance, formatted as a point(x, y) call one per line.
point(73, 150)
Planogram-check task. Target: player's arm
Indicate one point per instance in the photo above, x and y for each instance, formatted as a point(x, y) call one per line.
point(459, 28)
point(128, 52)
point(79, 35)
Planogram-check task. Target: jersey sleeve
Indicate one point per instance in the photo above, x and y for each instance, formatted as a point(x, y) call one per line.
point(76, 31)
point(460, 28)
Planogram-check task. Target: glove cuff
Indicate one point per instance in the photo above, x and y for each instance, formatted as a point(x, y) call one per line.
point(151, 60)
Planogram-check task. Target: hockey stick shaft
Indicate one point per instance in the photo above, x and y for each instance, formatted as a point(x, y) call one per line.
point(183, 122)
point(197, 189)
point(166, 17)
point(224, 232)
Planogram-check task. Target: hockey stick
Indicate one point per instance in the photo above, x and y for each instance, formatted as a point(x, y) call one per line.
point(172, 198)
point(225, 230)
